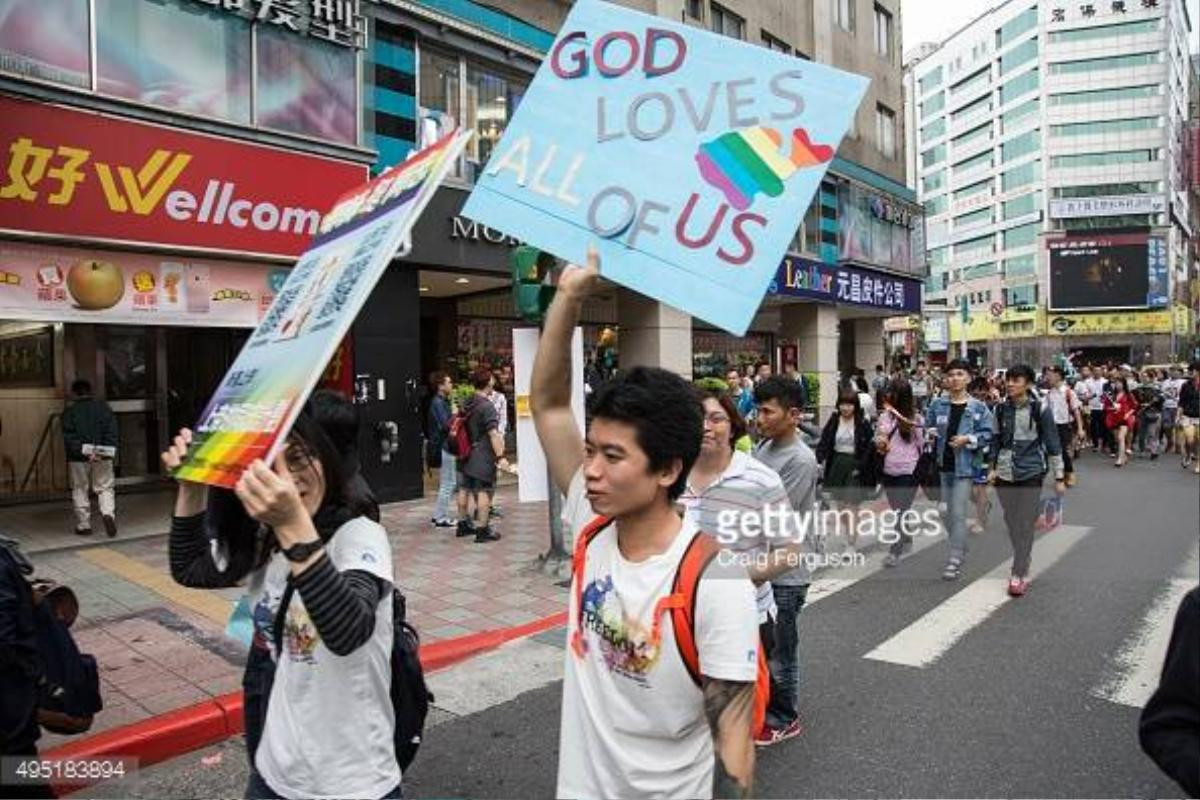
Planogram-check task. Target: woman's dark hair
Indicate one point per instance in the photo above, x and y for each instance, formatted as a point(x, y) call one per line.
point(849, 396)
point(1121, 380)
point(737, 426)
point(902, 400)
point(664, 411)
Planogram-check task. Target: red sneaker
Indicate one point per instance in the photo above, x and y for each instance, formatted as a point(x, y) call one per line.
point(1017, 586)
point(770, 735)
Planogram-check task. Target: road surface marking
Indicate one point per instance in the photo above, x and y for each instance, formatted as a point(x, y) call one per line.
point(926, 640)
point(1138, 664)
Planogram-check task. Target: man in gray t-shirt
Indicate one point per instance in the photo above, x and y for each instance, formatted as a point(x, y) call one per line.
point(779, 408)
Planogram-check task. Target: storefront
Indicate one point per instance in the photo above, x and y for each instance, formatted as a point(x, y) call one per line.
point(136, 256)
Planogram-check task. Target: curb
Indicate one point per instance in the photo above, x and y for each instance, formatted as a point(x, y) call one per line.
point(183, 730)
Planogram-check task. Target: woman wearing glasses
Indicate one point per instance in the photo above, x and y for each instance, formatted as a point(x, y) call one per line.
point(304, 534)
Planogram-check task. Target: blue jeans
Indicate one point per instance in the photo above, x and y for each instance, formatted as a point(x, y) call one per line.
point(956, 493)
point(447, 486)
point(257, 789)
point(784, 660)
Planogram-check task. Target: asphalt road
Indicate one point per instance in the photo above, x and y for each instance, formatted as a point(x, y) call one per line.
point(1019, 706)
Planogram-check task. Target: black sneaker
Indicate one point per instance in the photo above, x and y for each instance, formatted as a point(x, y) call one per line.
point(465, 528)
point(83, 531)
point(487, 534)
point(110, 526)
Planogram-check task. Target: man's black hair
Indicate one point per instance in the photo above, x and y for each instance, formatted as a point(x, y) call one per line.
point(81, 387)
point(783, 390)
point(978, 383)
point(1021, 371)
point(1194, 366)
point(664, 410)
point(958, 363)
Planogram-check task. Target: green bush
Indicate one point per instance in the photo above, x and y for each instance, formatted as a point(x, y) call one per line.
point(812, 389)
point(462, 393)
point(712, 385)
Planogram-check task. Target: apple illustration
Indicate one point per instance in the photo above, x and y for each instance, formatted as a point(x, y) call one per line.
point(96, 285)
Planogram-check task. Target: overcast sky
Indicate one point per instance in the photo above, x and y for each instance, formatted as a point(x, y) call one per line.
point(934, 20)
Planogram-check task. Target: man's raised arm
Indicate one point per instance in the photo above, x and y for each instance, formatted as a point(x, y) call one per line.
point(550, 384)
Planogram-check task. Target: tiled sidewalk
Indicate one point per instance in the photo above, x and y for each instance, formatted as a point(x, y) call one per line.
point(161, 646)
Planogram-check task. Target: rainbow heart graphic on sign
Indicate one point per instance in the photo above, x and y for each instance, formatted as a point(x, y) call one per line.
point(745, 162)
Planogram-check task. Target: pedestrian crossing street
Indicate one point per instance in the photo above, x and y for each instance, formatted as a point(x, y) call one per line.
point(1128, 678)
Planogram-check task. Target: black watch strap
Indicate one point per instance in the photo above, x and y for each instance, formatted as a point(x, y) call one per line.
point(302, 551)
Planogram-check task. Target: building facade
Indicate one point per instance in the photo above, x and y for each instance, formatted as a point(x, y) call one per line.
point(1048, 146)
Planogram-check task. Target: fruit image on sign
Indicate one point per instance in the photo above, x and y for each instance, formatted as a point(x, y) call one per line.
point(96, 285)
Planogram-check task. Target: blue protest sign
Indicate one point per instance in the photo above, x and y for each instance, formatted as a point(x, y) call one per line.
point(688, 158)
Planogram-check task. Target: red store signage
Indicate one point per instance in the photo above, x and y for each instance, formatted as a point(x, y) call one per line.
point(101, 178)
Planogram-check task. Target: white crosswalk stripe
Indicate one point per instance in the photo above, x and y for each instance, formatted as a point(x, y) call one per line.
point(1135, 670)
point(925, 641)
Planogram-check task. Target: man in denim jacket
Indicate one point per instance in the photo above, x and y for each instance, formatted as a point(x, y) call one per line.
point(963, 427)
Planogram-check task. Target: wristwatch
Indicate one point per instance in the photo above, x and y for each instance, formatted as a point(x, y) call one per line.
point(302, 551)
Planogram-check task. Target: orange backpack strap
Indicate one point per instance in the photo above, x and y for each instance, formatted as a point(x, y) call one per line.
point(682, 604)
point(578, 570)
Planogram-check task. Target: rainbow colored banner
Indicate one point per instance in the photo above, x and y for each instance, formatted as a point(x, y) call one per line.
point(259, 398)
point(687, 157)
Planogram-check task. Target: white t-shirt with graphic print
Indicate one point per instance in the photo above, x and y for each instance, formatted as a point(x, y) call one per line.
point(330, 726)
point(633, 722)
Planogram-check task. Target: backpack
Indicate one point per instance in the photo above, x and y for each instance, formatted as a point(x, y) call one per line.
point(409, 695)
point(458, 438)
point(67, 681)
point(681, 603)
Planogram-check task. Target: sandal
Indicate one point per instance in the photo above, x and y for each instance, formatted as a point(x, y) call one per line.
point(953, 570)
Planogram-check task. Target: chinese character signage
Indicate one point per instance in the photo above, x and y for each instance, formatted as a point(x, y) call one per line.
point(264, 390)
point(1113, 322)
point(687, 157)
point(1073, 207)
point(801, 277)
point(99, 178)
point(336, 21)
point(61, 284)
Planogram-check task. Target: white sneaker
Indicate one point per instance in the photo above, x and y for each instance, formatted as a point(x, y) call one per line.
point(974, 527)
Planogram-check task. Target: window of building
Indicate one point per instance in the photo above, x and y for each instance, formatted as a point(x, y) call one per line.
point(1108, 223)
point(695, 9)
point(778, 45)
point(1104, 31)
point(1020, 236)
point(1105, 189)
point(1021, 295)
point(930, 80)
point(1021, 265)
point(936, 205)
point(983, 215)
point(305, 87)
point(933, 105)
point(933, 155)
point(931, 183)
point(1104, 64)
point(984, 186)
point(883, 32)
point(812, 226)
point(1009, 31)
point(1025, 51)
point(934, 129)
point(1022, 84)
point(1019, 146)
point(984, 131)
point(1020, 206)
point(843, 12)
point(885, 130)
point(1105, 126)
point(726, 23)
point(1009, 119)
point(492, 99)
point(61, 57)
point(141, 57)
point(1020, 176)
point(1106, 159)
point(1104, 95)
point(981, 160)
point(939, 256)
point(973, 247)
point(980, 78)
point(982, 104)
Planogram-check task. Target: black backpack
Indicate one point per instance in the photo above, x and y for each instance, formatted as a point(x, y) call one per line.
point(67, 681)
point(410, 696)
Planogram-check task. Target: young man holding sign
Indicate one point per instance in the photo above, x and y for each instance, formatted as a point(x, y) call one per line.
point(639, 684)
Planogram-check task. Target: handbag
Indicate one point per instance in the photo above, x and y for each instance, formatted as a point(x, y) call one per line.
point(929, 474)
